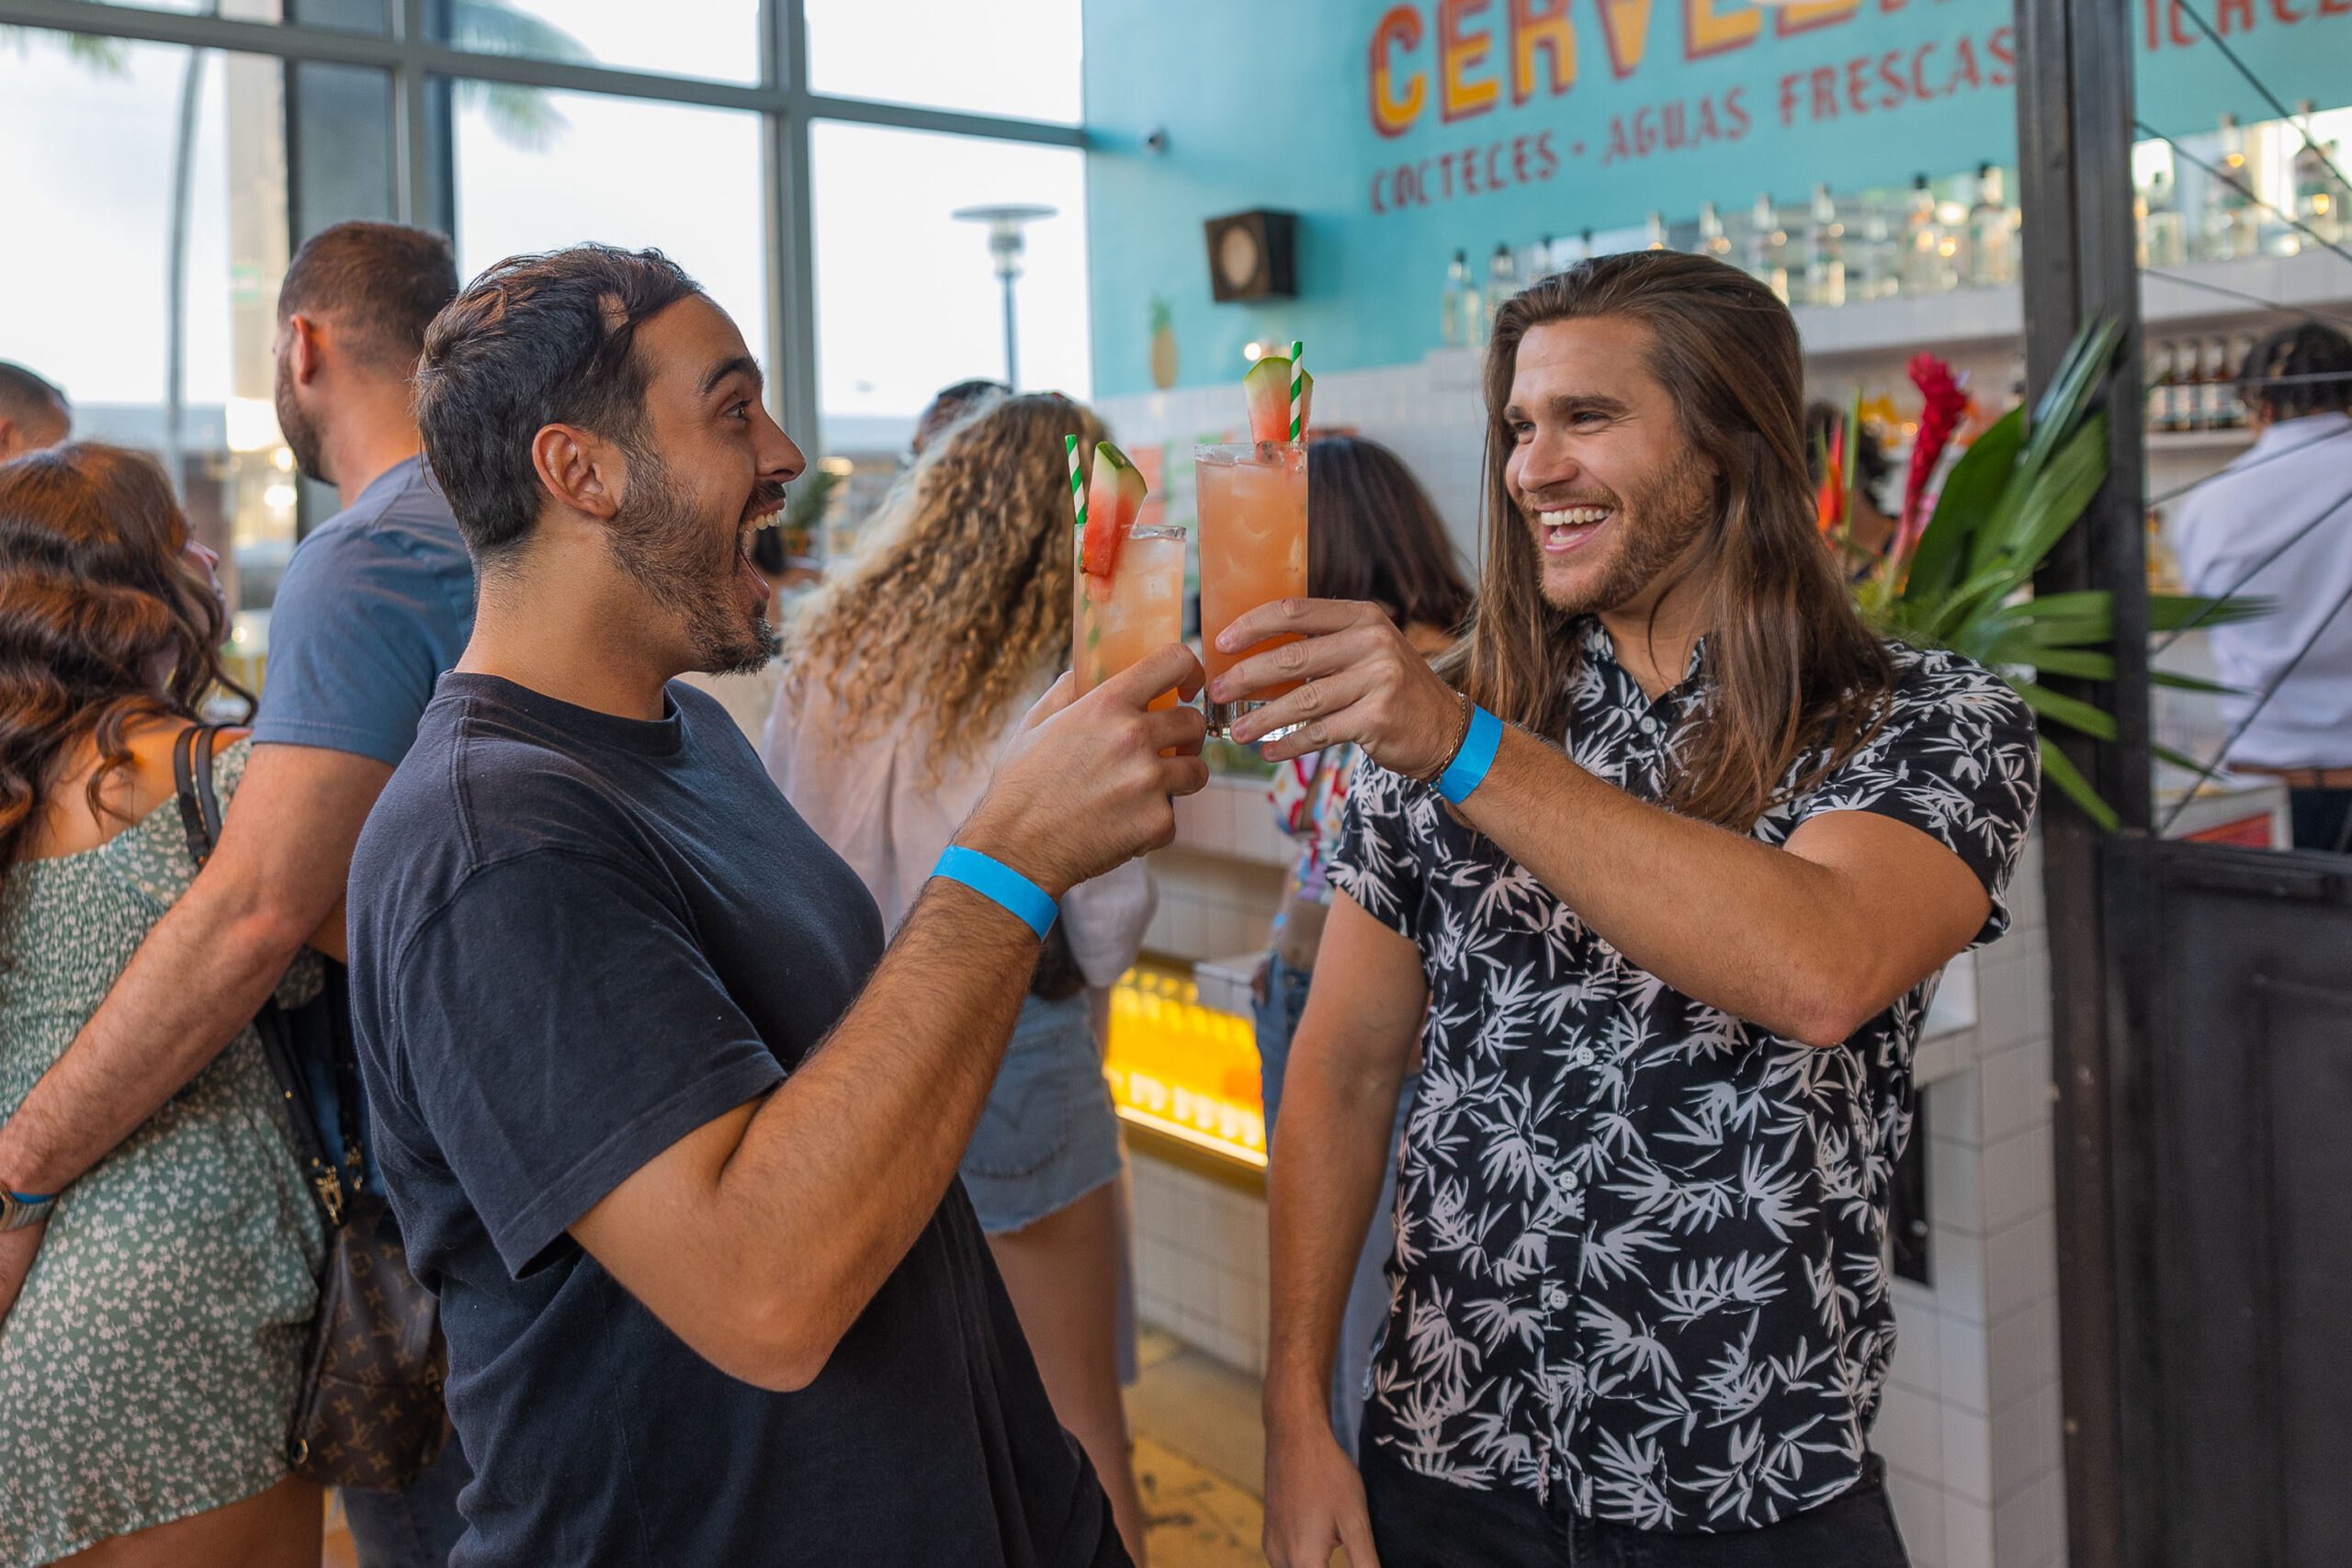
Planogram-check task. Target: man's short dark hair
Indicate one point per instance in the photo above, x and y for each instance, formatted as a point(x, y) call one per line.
point(24, 395)
point(536, 340)
point(382, 282)
point(2298, 370)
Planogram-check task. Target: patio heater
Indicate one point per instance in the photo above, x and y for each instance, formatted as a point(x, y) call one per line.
point(1005, 244)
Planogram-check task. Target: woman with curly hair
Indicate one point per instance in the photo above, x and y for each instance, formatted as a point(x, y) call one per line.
point(148, 1365)
point(904, 680)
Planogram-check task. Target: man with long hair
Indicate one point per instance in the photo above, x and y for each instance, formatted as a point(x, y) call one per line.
point(1659, 867)
point(671, 1134)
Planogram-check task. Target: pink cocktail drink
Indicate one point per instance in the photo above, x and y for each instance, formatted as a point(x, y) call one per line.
point(1253, 549)
point(1116, 622)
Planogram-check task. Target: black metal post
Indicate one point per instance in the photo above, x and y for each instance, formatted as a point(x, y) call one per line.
point(2075, 115)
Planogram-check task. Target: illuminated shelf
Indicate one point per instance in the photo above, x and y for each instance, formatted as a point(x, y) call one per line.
point(1184, 1077)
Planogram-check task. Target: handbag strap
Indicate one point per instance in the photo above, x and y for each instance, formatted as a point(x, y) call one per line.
point(192, 753)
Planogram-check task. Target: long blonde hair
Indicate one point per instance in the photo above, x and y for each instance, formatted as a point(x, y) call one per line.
point(963, 597)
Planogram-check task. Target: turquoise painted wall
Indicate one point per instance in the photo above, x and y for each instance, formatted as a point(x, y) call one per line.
point(1270, 103)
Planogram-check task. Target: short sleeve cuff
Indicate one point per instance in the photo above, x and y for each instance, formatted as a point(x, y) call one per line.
point(383, 746)
point(523, 1239)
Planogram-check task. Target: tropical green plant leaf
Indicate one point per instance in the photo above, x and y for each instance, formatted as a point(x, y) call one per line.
point(2180, 683)
point(2072, 712)
point(2179, 758)
point(2176, 612)
point(2055, 497)
point(2081, 663)
point(2059, 769)
point(1974, 482)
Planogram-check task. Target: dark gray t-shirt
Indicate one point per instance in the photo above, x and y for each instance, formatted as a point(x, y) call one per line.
point(575, 939)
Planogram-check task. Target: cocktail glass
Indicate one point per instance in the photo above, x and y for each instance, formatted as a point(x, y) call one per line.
point(1253, 501)
point(1141, 609)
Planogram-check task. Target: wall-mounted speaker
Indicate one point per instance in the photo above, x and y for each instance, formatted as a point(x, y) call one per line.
point(1253, 256)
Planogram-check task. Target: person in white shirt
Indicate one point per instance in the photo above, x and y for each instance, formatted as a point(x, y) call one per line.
point(904, 680)
point(2277, 525)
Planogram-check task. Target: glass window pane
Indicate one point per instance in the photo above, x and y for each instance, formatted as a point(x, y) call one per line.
point(1017, 57)
point(681, 178)
point(351, 16)
point(97, 314)
point(909, 303)
point(717, 39)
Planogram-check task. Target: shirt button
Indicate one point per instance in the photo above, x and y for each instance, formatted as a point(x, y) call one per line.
point(1554, 1298)
point(1581, 1056)
point(1649, 727)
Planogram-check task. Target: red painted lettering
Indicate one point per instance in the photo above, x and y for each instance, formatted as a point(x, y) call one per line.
point(1736, 112)
point(1890, 73)
point(1542, 27)
point(1550, 159)
point(1825, 93)
point(2003, 47)
point(1966, 49)
point(1857, 74)
point(2236, 16)
point(1392, 114)
point(1461, 94)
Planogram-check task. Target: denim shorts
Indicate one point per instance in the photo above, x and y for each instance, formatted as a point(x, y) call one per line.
point(1048, 1134)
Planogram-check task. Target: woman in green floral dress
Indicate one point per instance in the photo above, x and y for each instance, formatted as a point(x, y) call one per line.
point(148, 1364)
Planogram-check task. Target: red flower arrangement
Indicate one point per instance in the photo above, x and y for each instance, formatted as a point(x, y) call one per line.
point(1945, 404)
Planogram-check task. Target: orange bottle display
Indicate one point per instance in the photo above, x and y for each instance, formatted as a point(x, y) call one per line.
point(1115, 622)
point(1252, 501)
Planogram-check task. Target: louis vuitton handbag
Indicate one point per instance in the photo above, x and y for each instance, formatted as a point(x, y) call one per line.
point(368, 1411)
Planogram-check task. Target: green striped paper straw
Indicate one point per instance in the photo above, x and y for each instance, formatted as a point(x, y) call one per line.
point(1077, 484)
point(1298, 389)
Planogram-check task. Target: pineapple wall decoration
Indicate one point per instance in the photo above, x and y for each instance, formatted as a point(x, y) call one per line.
point(1164, 344)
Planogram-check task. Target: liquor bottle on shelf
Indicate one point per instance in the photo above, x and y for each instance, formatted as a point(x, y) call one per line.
point(2319, 195)
point(1502, 282)
point(1538, 263)
point(1713, 241)
point(2158, 376)
point(2240, 412)
point(1992, 239)
point(1824, 263)
point(1873, 271)
point(1654, 231)
point(2212, 384)
point(1767, 246)
point(2231, 231)
point(2163, 232)
point(1459, 325)
point(1928, 248)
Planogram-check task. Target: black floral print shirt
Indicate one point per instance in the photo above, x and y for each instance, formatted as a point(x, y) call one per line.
point(1642, 1244)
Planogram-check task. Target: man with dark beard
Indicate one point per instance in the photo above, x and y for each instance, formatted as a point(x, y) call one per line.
point(374, 606)
point(1659, 868)
point(670, 1132)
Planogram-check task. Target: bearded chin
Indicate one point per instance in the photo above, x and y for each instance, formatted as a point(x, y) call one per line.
point(745, 654)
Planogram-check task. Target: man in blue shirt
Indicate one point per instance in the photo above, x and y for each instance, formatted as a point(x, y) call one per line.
point(375, 605)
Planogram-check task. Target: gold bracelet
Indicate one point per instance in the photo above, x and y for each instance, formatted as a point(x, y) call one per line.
point(1461, 736)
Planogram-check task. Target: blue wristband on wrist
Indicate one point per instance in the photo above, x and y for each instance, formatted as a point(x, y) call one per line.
point(993, 879)
point(1468, 769)
point(31, 1197)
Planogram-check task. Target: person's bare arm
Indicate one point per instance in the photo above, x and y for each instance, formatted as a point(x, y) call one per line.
point(1347, 1068)
point(275, 879)
point(1810, 940)
point(759, 1237)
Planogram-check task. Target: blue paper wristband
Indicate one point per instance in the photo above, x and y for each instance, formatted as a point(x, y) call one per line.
point(995, 880)
point(1468, 769)
point(31, 1197)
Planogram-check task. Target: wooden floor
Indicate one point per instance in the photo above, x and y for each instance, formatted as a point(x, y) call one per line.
point(1200, 1461)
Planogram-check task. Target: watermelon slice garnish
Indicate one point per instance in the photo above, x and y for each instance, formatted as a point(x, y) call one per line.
point(1113, 498)
point(1267, 389)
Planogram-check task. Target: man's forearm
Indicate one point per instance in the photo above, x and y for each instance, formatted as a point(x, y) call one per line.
point(1324, 1180)
point(842, 1167)
point(1755, 931)
point(194, 982)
